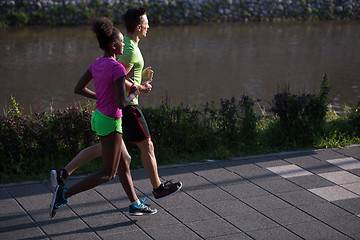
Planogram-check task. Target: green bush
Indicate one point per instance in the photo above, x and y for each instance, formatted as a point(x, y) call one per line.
point(17, 18)
point(32, 144)
point(301, 117)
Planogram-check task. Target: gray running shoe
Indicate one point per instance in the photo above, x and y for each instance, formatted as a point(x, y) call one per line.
point(142, 209)
point(58, 200)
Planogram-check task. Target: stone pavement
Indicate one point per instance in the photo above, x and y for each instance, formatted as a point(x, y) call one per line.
point(299, 195)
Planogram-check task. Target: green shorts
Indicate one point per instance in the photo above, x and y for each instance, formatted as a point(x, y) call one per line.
point(104, 125)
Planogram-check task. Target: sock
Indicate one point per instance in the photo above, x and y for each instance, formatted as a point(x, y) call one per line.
point(136, 203)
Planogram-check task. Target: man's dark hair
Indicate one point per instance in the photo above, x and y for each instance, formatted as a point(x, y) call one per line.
point(132, 18)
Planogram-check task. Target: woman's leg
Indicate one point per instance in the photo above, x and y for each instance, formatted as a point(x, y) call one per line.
point(83, 157)
point(111, 152)
point(125, 174)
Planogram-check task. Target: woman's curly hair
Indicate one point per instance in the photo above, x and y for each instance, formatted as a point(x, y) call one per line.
point(104, 31)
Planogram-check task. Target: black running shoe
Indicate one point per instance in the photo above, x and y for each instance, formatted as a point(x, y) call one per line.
point(142, 209)
point(58, 177)
point(166, 189)
point(58, 200)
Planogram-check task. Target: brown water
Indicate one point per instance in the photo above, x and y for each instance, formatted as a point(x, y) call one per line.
point(192, 64)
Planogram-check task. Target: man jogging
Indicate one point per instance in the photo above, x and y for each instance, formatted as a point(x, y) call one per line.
point(134, 123)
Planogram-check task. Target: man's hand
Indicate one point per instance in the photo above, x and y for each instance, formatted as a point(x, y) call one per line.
point(147, 73)
point(146, 86)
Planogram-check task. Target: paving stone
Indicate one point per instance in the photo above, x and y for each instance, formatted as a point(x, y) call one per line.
point(316, 230)
point(311, 181)
point(78, 235)
point(230, 208)
point(324, 211)
point(272, 163)
point(105, 223)
point(90, 203)
point(35, 201)
point(10, 207)
point(352, 205)
point(265, 159)
point(345, 163)
point(278, 233)
point(340, 177)
point(169, 231)
point(300, 198)
point(266, 203)
point(353, 151)
point(65, 227)
point(4, 194)
point(245, 190)
point(213, 227)
point(236, 236)
point(221, 176)
point(289, 171)
point(23, 233)
point(312, 164)
point(196, 212)
point(353, 187)
point(287, 216)
point(333, 193)
point(205, 167)
point(210, 195)
point(174, 173)
point(201, 210)
point(192, 181)
point(179, 200)
point(161, 218)
point(355, 172)
point(350, 225)
point(326, 154)
point(137, 234)
point(16, 221)
point(278, 185)
point(114, 193)
point(252, 222)
point(252, 172)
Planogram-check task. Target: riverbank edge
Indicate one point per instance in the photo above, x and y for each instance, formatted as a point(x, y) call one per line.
point(287, 153)
point(70, 12)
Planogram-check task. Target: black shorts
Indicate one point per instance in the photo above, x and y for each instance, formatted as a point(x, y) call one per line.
point(134, 124)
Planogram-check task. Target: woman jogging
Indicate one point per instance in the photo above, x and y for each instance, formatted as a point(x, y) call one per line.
point(136, 23)
point(109, 81)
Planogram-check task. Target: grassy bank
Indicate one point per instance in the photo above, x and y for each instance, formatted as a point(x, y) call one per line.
point(31, 144)
point(51, 12)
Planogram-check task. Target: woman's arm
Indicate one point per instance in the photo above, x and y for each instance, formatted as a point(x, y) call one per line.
point(121, 100)
point(81, 88)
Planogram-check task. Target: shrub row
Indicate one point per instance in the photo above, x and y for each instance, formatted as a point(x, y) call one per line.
point(31, 144)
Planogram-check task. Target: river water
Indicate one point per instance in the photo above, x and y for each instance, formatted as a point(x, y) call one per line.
point(192, 64)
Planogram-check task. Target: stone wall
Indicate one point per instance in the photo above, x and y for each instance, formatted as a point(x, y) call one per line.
point(58, 12)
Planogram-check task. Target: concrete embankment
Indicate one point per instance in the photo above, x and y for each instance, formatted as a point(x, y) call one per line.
point(58, 12)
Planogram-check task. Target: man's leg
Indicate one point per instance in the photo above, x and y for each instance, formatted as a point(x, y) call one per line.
point(160, 191)
point(149, 161)
point(136, 128)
